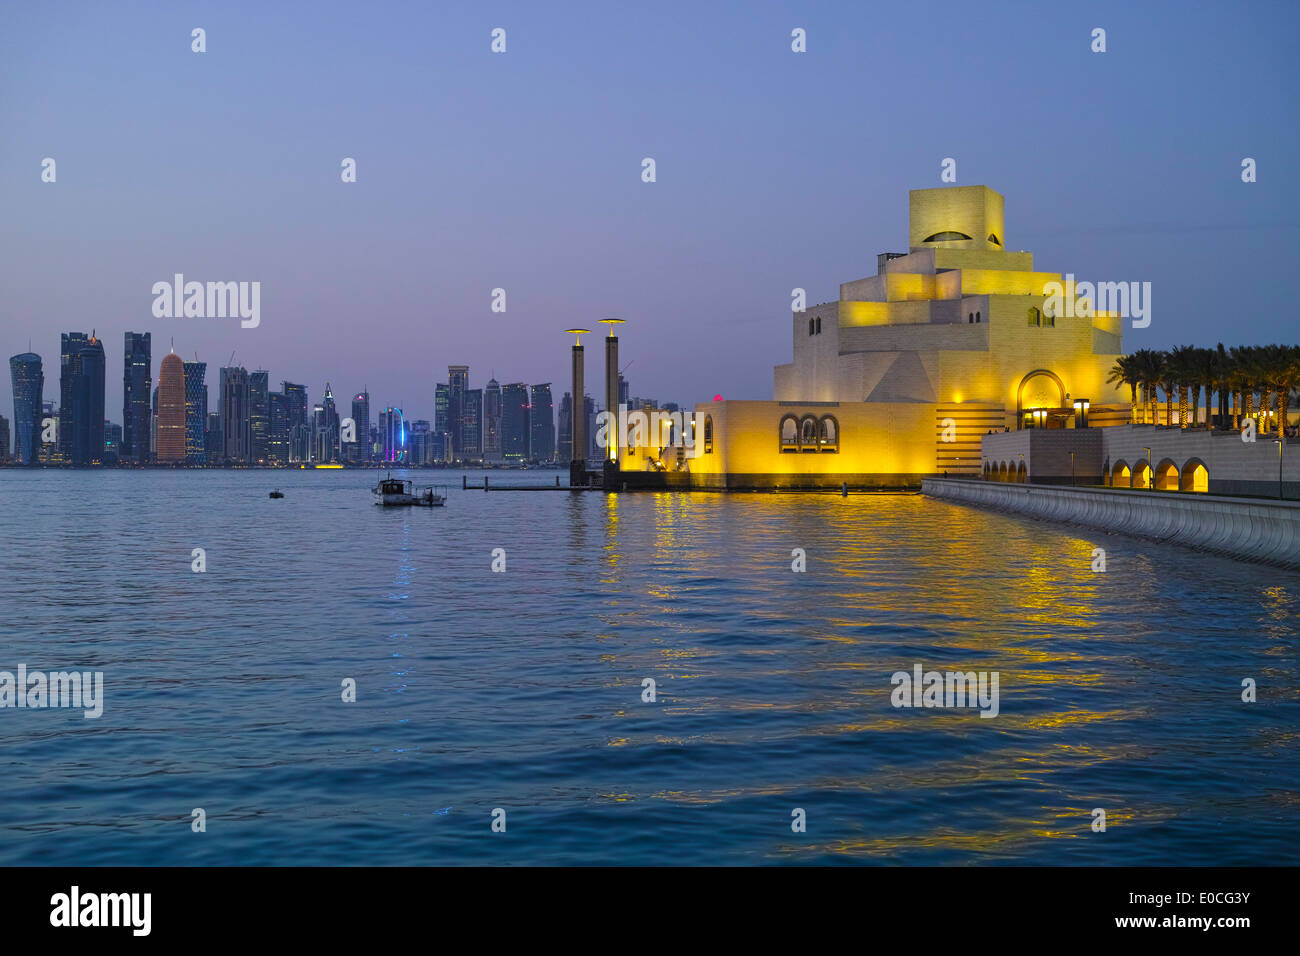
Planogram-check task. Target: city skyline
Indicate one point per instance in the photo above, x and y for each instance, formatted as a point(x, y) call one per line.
point(173, 423)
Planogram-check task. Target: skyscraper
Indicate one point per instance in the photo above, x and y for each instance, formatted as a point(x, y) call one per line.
point(196, 412)
point(259, 423)
point(392, 432)
point(299, 426)
point(457, 383)
point(359, 450)
point(514, 423)
point(171, 410)
point(277, 445)
point(236, 425)
point(589, 413)
point(48, 453)
point(442, 408)
point(564, 428)
point(136, 385)
point(541, 418)
point(214, 448)
point(28, 386)
point(418, 443)
point(471, 425)
point(70, 344)
point(325, 429)
point(112, 442)
point(492, 422)
point(81, 387)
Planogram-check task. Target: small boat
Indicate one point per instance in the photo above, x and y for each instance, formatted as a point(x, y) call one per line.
point(400, 492)
point(276, 494)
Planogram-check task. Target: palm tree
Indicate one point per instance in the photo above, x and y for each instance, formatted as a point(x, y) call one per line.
point(1150, 366)
point(1223, 375)
point(1170, 380)
point(1181, 374)
point(1205, 374)
point(1284, 371)
point(1243, 358)
point(1125, 371)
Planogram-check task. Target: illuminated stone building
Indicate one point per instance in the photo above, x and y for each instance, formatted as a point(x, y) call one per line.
point(907, 370)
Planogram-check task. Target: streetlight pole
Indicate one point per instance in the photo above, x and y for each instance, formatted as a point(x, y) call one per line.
point(1278, 442)
point(1071, 469)
point(1151, 475)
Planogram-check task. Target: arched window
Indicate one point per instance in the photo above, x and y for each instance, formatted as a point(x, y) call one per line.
point(829, 437)
point(948, 236)
point(1035, 317)
point(970, 317)
point(819, 325)
point(811, 326)
point(789, 432)
point(708, 434)
point(808, 433)
point(978, 317)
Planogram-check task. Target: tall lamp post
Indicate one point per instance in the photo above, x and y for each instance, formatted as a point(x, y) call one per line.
point(578, 416)
point(1151, 475)
point(612, 429)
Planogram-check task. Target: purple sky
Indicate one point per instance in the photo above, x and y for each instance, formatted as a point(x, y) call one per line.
point(523, 171)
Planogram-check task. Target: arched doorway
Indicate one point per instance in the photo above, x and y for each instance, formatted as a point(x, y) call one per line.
point(1166, 476)
point(1021, 474)
point(1195, 477)
point(1040, 391)
point(1120, 476)
point(1142, 475)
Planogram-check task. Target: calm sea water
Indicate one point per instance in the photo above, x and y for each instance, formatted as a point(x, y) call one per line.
point(522, 690)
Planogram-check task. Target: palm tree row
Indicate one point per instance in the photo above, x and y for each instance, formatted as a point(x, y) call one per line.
point(1235, 375)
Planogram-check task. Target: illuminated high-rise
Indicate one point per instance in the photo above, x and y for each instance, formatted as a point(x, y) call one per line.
point(136, 385)
point(28, 387)
point(492, 422)
point(81, 391)
point(259, 424)
point(299, 425)
point(541, 423)
point(392, 433)
point(236, 426)
point(170, 442)
point(515, 437)
point(196, 412)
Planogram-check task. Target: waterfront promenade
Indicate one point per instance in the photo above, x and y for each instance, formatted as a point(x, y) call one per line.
point(1251, 529)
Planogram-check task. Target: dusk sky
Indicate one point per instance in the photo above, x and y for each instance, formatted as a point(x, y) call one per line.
point(522, 171)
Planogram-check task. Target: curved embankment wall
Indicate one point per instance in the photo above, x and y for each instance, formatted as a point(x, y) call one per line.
point(1251, 529)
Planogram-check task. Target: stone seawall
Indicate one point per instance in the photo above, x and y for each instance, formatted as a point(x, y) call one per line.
point(1250, 529)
